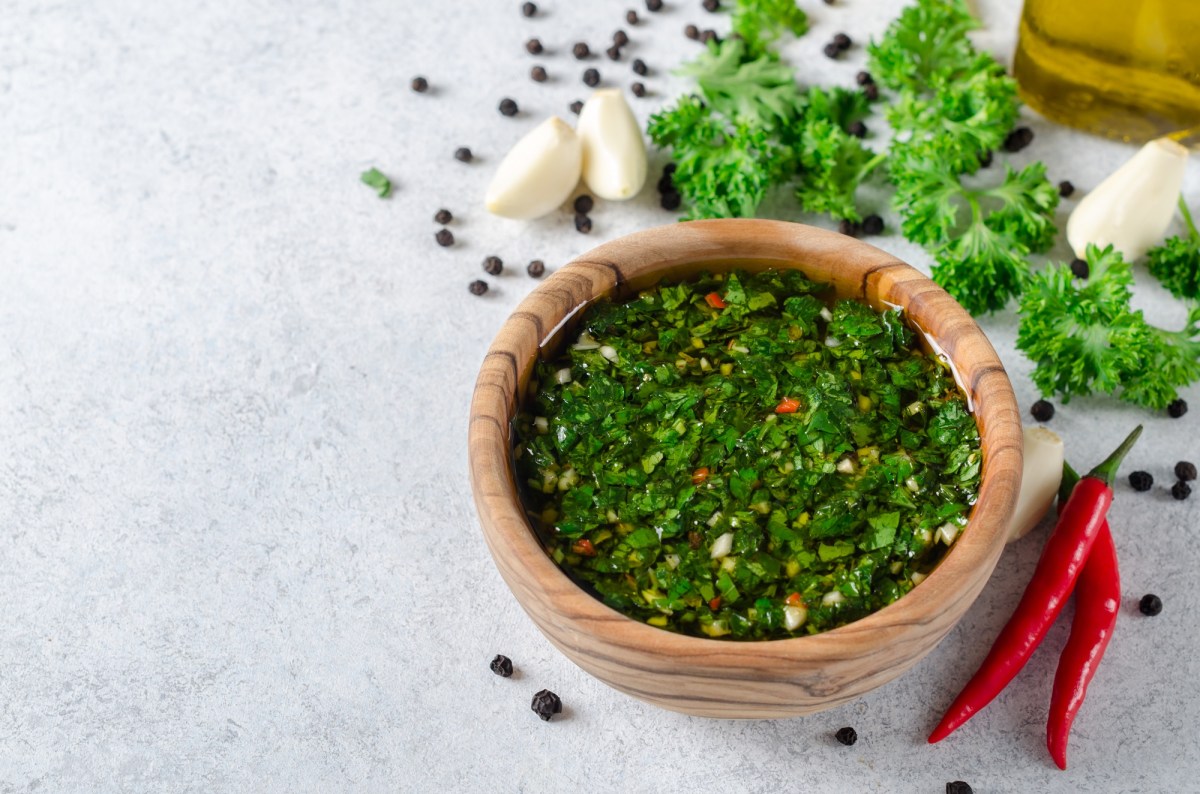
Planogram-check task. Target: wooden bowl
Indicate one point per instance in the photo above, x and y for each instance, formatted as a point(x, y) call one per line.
point(724, 678)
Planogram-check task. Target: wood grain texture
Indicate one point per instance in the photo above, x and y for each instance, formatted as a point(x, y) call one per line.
point(719, 678)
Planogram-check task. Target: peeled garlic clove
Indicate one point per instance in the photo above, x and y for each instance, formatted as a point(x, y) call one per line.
point(538, 174)
point(1132, 207)
point(614, 152)
point(1040, 479)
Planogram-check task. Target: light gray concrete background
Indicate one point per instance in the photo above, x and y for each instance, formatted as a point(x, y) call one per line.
point(237, 548)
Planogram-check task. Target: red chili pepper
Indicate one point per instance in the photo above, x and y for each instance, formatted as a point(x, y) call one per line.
point(699, 475)
point(715, 604)
point(1061, 562)
point(716, 301)
point(787, 406)
point(793, 599)
point(1097, 602)
point(584, 547)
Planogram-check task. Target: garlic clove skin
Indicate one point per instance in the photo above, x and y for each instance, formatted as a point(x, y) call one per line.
point(1040, 480)
point(614, 152)
point(1133, 206)
point(538, 174)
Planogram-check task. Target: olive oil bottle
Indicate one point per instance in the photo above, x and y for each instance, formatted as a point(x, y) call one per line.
point(1126, 69)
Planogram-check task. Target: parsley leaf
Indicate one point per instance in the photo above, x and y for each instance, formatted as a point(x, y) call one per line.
point(1176, 263)
point(375, 179)
point(833, 163)
point(761, 22)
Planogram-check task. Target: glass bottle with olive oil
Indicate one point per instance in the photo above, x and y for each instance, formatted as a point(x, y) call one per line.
point(1127, 69)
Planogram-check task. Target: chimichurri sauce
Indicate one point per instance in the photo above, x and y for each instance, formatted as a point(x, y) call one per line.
point(741, 456)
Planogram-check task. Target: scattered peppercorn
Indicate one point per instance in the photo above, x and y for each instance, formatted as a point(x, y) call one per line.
point(1065, 188)
point(857, 129)
point(985, 159)
point(443, 217)
point(1079, 268)
point(846, 736)
point(710, 35)
point(420, 85)
point(1185, 470)
point(478, 287)
point(1177, 408)
point(670, 168)
point(508, 107)
point(613, 53)
point(1181, 490)
point(638, 90)
point(692, 32)
point(546, 704)
point(1042, 410)
point(581, 51)
point(848, 228)
point(583, 204)
point(1141, 480)
point(712, 6)
point(842, 41)
point(534, 47)
point(959, 787)
point(1018, 139)
point(830, 2)
point(529, 9)
point(583, 224)
point(1150, 605)
point(654, 5)
point(671, 200)
point(831, 50)
point(872, 224)
point(536, 268)
point(864, 78)
point(620, 38)
point(631, 17)
point(502, 666)
point(538, 74)
point(591, 77)
point(493, 265)
point(463, 154)
point(639, 67)
point(872, 92)
point(444, 237)
point(576, 106)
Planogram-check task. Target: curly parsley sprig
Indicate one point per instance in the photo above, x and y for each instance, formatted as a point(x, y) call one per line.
point(1176, 263)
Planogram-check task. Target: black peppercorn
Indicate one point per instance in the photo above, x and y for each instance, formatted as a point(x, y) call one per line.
point(613, 53)
point(710, 35)
point(463, 154)
point(444, 237)
point(846, 736)
point(502, 666)
point(639, 67)
point(830, 2)
point(638, 90)
point(583, 204)
point(872, 224)
point(959, 787)
point(580, 51)
point(546, 704)
point(631, 17)
point(692, 32)
point(1177, 408)
point(478, 287)
point(1042, 410)
point(443, 217)
point(985, 159)
point(654, 5)
point(1181, 490)
point(420, 85)
point(842, 41)
point(534, 47)
point(538, 74)
point(1185, 470)
point(671, 200)
point(620, 39)
point(670, 168)
point(1079, 268)
point(848, 228)
point(1018, 139)
point(831, 50)
point(871, 91)
point(508, 107)
point(1065, 188)
point(1150, 605)
point(583, 224)
point(591, 78)
point(536, 268)
point(576, 106)
point(529, 9)
point(857, 129)
point(1141, 480)
point(666, 184)
point(493, 265)
point(712, 6)
point(864, 78)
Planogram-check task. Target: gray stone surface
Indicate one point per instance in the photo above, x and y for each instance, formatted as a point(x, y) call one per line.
point(237, 549)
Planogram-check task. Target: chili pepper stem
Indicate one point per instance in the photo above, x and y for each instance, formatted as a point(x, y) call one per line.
point(1106, 470)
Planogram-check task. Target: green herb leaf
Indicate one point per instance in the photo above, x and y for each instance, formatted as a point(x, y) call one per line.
point(375, 179)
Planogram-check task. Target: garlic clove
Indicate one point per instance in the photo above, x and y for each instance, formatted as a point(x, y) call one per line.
point(538, 174)
point(1040, 478)
point(1133, 206)
point(614, 152)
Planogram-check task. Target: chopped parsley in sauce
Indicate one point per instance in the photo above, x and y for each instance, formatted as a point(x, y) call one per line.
point(740, 455)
